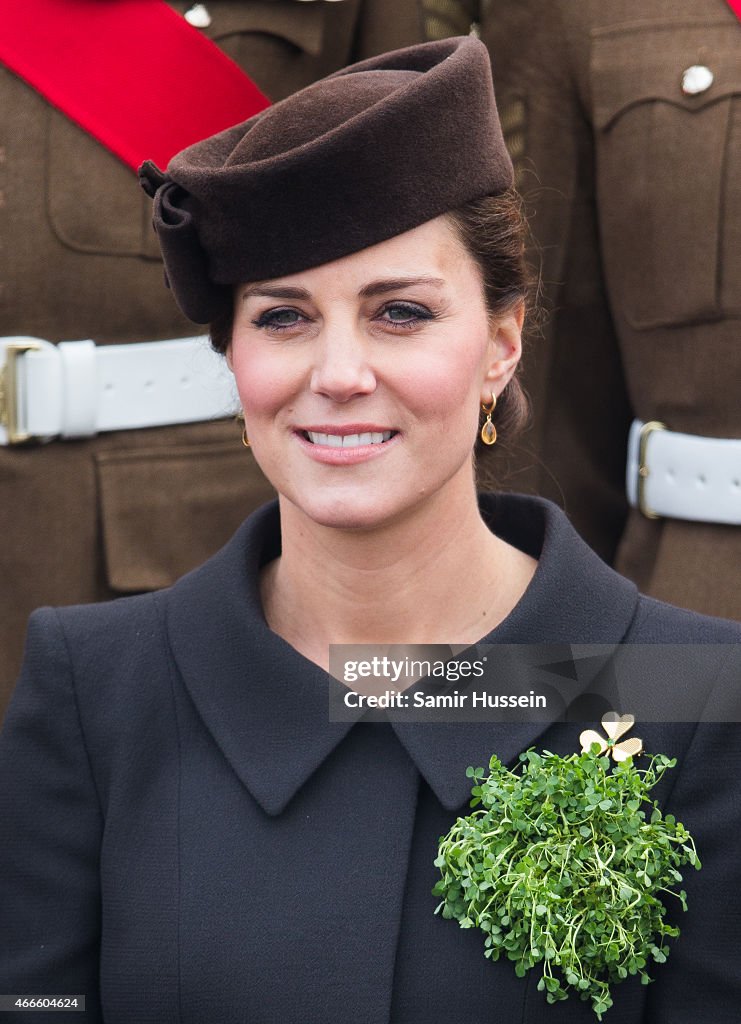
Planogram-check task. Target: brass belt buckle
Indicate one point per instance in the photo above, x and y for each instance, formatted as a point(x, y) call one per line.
point(643, 471)
point(9, 390)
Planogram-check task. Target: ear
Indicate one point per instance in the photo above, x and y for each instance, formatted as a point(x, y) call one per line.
point(228, 356)
point(505, 351)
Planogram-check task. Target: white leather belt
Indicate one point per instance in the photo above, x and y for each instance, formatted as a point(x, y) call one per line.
point(683, 476)
point(79, 389)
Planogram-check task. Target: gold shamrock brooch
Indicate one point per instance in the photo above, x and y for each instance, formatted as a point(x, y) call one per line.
point(615, 726)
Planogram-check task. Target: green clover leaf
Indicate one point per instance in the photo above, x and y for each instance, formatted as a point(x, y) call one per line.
point(565, 865)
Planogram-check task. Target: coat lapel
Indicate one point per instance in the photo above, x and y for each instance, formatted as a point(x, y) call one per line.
point(267, 706)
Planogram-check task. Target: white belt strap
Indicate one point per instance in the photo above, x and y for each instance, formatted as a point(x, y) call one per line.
point(683, 476)
point(79, 389)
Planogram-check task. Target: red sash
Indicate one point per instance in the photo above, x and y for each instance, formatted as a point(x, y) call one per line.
point(735, 6)
point(133, 73)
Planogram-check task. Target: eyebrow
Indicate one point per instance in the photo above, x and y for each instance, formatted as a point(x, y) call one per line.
point(394, 284)
point(276, 292)
point(380, 287)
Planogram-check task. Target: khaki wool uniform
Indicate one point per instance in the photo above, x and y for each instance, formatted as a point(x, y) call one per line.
point(634, 195)
point(130, 511)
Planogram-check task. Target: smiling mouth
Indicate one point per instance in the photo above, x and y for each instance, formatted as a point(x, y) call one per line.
point(348, 440)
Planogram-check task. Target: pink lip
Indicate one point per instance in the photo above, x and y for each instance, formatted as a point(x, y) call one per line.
point(344, 456)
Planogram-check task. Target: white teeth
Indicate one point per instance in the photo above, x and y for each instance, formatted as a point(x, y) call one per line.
point(349, 440)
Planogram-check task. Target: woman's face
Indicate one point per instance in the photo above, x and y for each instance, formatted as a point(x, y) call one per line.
point(361, 380)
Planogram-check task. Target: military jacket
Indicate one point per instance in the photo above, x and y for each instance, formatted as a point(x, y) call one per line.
point(634, 193)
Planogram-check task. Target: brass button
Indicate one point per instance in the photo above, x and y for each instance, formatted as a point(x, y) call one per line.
point(198, 16)
point(696, 79)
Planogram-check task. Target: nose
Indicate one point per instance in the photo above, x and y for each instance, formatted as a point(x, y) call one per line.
point(341, 369)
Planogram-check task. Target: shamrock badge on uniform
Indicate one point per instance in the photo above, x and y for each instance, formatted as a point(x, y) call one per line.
point(615, 726)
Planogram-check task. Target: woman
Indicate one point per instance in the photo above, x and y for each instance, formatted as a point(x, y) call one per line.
point(190, 837)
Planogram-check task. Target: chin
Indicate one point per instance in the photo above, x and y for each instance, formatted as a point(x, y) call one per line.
point(346, 513)
point(346, 516)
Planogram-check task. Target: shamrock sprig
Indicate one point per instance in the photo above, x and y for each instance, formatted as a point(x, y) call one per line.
point(562, 868)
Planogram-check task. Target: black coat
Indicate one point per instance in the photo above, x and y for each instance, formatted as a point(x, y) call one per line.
point(186, 837)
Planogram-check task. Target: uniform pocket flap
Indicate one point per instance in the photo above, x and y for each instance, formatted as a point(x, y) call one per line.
point(645, 61)
point(166, 510)
point(301, 24)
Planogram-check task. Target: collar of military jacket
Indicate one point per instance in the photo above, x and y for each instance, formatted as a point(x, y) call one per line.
point(267, 706)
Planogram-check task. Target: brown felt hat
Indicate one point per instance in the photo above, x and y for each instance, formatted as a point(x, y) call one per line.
point(365, 154)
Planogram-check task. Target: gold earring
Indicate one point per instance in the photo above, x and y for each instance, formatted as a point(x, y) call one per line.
point(240, 419)
point(489, 431)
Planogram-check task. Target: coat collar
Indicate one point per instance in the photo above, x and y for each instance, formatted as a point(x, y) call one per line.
point(266, 705)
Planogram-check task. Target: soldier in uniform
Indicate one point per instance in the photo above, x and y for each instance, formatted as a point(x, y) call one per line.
point(129, 511)
point(625, 123)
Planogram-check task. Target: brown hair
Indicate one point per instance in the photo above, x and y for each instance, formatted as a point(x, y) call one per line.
point(493, 232)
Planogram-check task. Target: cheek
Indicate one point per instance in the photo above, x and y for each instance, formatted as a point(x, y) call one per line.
point(263, 380)
point(448, 388)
